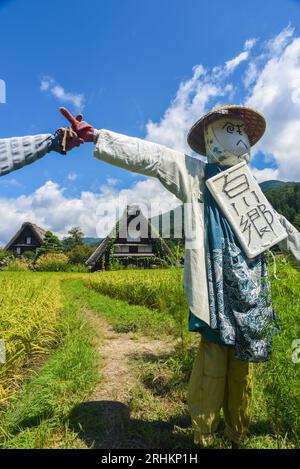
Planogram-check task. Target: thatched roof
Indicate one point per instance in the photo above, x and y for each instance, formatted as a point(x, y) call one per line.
point(39, 232)
point(123, 221)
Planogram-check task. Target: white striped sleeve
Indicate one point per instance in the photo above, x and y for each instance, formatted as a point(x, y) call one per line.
point(17, 152)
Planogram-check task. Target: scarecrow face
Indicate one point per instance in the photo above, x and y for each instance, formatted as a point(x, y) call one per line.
point(226, 141)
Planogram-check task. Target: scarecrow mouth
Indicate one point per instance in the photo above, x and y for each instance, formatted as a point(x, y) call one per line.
point(242, 141)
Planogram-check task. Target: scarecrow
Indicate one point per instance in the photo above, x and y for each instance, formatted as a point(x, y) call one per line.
point(228, 293)
point(17, 152)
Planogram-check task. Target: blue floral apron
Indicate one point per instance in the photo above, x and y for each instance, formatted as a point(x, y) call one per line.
point(239, 290)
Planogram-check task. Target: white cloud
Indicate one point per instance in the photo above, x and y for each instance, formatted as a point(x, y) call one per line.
point(277, 44)
point(231, 65)
point(250, 43)
point(271, 77)
point(72, 176)
point(113, 181)
point(205, 88)
point(10, 182)
point(276, 93)
point(48, 84)
point(189, 104)
point(250, 74)
point(265, 174)
point(49, 208)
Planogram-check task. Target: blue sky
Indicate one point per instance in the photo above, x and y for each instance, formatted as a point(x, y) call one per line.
point(123, 61)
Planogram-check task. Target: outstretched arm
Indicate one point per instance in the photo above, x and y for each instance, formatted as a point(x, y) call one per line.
point(17, 152)
point(20, 151)
point(291, 244)
point(178, 172)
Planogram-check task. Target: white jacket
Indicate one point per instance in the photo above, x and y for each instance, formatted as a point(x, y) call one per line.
point(182, 175)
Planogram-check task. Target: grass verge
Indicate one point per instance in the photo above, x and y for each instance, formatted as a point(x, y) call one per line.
point(126, 317)
point(38, 418)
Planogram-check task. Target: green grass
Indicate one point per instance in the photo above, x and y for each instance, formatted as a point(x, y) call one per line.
point(39, 416)
point(44, 413)
point(276, 402)
point(159, 290)
point(280, 377)
point(125, 317)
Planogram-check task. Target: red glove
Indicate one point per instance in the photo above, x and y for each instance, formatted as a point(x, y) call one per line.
point(82, 128)
point(68, 139)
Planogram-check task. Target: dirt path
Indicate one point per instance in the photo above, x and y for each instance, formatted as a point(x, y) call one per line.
point(107, 412)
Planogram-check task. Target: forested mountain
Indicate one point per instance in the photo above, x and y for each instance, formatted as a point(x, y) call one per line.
point(92, 241)
point(286, 200)
point(272, 184)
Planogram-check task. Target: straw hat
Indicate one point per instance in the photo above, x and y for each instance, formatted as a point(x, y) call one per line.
point(255, 125)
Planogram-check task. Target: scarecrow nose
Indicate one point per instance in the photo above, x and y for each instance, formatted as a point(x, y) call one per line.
point(242, 143)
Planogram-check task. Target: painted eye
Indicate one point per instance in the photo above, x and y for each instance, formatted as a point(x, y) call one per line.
point(230, 128)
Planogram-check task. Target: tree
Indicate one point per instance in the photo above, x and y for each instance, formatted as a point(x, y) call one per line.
point(50, 244)
point(80, 253)
point(297, 221)
point(75, 238)
point(286, 200)
point(30, 255)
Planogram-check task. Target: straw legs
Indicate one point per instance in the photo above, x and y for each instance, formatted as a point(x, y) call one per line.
point(219, 380)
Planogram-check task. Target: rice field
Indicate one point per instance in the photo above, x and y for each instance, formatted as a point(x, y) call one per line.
point(153, 302)
point(29, 309)
point(161, 290)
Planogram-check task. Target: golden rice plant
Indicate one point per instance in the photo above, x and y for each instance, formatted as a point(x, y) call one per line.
point(29, 308)
point(161, 289)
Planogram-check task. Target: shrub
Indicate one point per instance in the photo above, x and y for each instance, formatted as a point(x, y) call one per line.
point(30, 255)
point(79, 268)
point(80, 253)
point(116, 264)
point(16, 265)
point(52, 262)
point(5, 255)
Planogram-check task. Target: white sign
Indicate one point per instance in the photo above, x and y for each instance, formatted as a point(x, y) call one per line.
point(244, 205)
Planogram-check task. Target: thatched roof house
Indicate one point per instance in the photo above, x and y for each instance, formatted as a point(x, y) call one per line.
point(29, 237)
point(133, 241)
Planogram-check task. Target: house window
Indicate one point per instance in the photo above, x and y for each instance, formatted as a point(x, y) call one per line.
point(146, 249)
point(121, 249)
point(28, 239)
point(18, 250)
